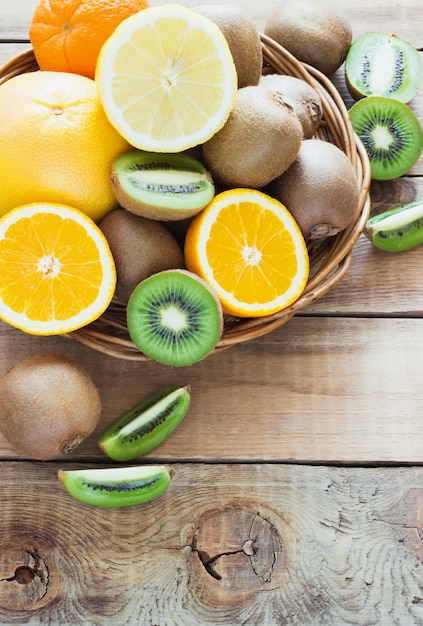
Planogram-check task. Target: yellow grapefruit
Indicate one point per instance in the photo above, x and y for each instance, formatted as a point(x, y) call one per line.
point(56, 143)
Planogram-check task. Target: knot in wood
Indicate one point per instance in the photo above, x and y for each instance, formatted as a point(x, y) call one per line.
point(24, 578)
point(237, 552)
point(24, 575)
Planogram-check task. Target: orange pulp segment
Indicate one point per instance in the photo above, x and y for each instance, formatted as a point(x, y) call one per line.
point(249, 248)
point(57, 273)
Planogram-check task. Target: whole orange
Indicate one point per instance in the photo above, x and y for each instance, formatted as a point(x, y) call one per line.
point(56, 143)
point(67, 35)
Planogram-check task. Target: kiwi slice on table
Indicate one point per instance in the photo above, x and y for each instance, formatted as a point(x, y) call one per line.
point(384, 65)
point(174, 317)
point(161, 186)
point(390, 133)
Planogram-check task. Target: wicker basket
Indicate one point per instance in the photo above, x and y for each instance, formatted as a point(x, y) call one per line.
point(329, 260)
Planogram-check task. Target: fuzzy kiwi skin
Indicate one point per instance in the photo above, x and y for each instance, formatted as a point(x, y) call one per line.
point(49, 405)
point(242, 37)
point(312, 31)
point(320, 189)
point(304, 100)
point(140, 247)
point(259, 141)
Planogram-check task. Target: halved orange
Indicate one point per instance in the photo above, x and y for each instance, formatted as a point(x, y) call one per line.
point(166, 78)
point(250, 249)
point(57, 273)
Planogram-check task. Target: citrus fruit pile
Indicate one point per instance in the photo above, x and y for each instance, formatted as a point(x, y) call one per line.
point(138, 113)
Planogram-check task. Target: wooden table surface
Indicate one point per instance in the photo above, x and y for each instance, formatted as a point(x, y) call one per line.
point(298, 490)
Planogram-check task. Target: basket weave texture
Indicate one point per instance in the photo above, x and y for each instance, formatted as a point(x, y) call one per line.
point(329, 259)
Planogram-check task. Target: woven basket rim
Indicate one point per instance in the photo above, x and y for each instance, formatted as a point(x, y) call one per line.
point(330, 259)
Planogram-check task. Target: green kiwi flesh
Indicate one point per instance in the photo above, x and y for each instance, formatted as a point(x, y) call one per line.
point(146, 425)
point(115, 487)
point(390, 133)
point(383, 65)
point(161, 186)
point(174, 317)
point(397, 229)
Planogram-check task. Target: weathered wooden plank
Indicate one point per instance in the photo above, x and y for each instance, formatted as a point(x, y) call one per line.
point(10, 50)
point(225, 545)
point(317, 389)
point(364, 16)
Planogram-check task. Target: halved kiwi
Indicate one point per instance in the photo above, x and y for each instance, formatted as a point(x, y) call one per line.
point(174, 317)
point(391, 135)
point(161, 186)
point(384, 65)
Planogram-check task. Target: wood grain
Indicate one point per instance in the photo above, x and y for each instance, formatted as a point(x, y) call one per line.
point(239, 544)
point(400, 18)
point(283, 509)
point(316, 390)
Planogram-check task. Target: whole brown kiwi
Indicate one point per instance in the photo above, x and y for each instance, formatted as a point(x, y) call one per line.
point(49, 405)
point(320, 189)
point(259, 141)
point(312, 31)
point(140, 247)
point(301, 96)
point(242, 37)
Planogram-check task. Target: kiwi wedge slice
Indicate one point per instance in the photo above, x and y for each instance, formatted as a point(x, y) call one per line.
point(381, 64)
point(146, 425)
point(116, 487)
point(161, 186)
point(174, 317)
point(390, 133)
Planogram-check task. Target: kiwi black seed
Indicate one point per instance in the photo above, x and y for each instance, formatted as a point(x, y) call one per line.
point(174, 317)
point(390, 133)
point(384, 65)
point(161, 186)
